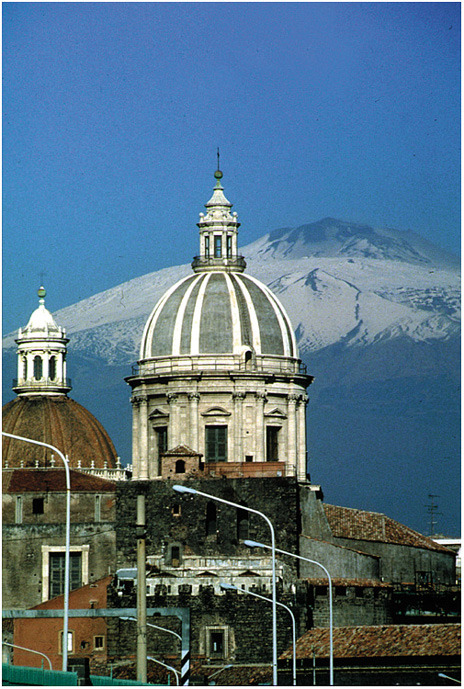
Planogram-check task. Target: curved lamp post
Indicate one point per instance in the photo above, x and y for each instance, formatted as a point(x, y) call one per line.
point(192, 491)
point(155, 660)
point(255, 544)
point(66, 559)
point(23, 648)
point(231, 587)
point(218, 671)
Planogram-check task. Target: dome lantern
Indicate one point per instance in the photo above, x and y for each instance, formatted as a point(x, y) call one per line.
point(41, 354)
point(218, 234)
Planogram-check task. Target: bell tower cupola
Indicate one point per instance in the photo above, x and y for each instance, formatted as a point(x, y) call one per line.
point(41, 355)
point(218, 235)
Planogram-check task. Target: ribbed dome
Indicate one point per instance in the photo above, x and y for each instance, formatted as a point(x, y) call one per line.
point(218, 312)
point(59, 421)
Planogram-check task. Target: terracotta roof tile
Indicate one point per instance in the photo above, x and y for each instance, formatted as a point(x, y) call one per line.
point(346, 522)
point(43, 480)
point(396, 640)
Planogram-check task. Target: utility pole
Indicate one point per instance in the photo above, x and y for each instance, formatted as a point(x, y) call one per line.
point(141, 592)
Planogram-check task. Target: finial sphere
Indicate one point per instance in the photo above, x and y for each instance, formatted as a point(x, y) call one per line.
point(218, 174)
point(41, 292)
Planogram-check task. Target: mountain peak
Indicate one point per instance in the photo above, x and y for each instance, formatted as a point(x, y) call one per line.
point(332, 237)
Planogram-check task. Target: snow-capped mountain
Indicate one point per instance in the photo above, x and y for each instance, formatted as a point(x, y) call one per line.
point(339, 282)
point(377, 318)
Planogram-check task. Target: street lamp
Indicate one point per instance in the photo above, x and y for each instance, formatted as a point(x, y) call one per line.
point(192, 491)
point(231, 587)
point(66, 559)
point(164, 665)
point(150, 624)
point(441, 674)
point(218, 671)
point(255, 544)
point(23, 648)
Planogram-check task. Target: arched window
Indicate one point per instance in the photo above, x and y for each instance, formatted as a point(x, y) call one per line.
point(38, 367)
point(52, 368)
point(242, 524)
point(180, 466)
point(211, 519)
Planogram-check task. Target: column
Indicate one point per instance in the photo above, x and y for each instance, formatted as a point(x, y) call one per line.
point(291, 435)
point(194, 399)
point(143, 438)
point(238, 398)
point(173, 430)
point(260, 439)
point(301, 460)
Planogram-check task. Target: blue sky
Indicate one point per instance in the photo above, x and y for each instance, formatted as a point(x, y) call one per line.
point(112, 113)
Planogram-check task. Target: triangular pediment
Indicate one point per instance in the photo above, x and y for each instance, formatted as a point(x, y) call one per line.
point(158, 414)
point(275, 414)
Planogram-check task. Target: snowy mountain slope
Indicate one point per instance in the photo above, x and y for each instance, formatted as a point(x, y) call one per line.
point(350, 299)
point(331, 237)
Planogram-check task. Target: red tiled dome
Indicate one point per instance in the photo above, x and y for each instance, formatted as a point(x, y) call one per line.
point(59, 421)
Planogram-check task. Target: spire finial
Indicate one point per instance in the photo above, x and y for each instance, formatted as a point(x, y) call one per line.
point(41, 293)
point(218, 173)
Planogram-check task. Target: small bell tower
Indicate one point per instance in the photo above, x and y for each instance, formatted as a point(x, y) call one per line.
point(41, 355)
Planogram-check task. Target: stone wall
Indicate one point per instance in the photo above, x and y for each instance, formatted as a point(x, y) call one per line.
point(244, 621)
point(183, 519)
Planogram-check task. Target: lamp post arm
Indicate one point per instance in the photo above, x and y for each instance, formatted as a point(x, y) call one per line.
point(169, 667)
point(23, 648)
point(163, 629)
point(254, 544)
point(68, 521)
point(282, 605)
point(194, 491)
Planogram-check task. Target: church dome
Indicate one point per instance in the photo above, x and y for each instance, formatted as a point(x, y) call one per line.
point(56, 420)
point(218, 312)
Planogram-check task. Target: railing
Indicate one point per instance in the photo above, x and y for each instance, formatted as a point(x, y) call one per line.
point(172, 365)
point(211, 262)
point(59, 383)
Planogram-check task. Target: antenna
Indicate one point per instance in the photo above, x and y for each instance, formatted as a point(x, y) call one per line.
point(432, 511)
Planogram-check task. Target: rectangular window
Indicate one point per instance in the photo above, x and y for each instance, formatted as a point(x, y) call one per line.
point(37, 505)
point(216, 443)
point(272, 443)
point(70, 642)
point(206, 246)
point(229, 246)
point(99, 643)
point(57, 567)
point(162, 439)
point(19, 510)
point(216, 642)
point(217, 246)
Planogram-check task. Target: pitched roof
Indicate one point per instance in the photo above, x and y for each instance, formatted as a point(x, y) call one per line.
point(182, 451)
point(43, 480)
point(381, 641)
point(346, 522)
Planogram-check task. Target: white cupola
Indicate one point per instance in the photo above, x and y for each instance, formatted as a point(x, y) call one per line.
point(218, 234)
point(41, 355)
